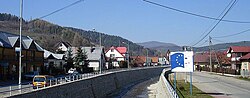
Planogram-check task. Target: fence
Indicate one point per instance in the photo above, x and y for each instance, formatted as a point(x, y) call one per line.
point(28, 87)
point(222, 70)
point(170, 89)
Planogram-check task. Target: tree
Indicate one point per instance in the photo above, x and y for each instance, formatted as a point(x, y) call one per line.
point(81, 62)
point(69, 59)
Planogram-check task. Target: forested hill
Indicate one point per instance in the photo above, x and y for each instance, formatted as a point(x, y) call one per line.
point(48, 34)
point(107, 40)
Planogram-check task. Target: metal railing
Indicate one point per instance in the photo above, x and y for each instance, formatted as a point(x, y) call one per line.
point(8, 91)
point(170, 89)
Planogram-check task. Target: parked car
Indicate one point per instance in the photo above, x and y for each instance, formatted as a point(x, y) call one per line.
point(72, 71)
point(43, 81)
point(30, 75)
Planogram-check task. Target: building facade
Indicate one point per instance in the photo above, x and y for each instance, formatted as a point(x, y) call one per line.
point(32, 56)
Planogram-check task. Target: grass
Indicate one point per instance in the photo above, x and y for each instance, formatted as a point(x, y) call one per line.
point(183, 90)
point(244, 78)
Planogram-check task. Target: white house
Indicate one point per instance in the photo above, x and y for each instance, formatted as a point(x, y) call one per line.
point(54, 60)
point(116, 55)
point(62, 46)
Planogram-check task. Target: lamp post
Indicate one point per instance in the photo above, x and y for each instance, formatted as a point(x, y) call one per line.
point(20, 40)
point(100, 43)
point(128, 52)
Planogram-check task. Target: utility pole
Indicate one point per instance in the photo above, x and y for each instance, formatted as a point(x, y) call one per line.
point(20, 46)
point(100, 42)
point(128, 52)
point(210, 54)
point(147, 57)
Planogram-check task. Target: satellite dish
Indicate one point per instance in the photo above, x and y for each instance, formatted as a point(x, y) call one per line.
point(229, 55)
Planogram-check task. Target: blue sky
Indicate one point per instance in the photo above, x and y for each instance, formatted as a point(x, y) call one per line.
point(139, 21)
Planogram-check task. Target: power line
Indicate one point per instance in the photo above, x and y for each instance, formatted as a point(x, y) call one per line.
point(216, 23)
point(58, 10)
point(232, 34)
point(194, 14)
point(217, 17)
point(203, 42)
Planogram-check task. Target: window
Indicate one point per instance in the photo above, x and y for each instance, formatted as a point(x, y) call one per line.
point(112, 50)
point(112, 55)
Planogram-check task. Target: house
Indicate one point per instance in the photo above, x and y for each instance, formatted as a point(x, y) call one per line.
point(137, 61)
point(245, 65)
point(95, 56)
point(202, 60)
point(54, 63)
point(154, 61)
point(62, 47)
point(32, 53)
point(236, 53)
point(116, 56)
point(142, 60)
point(163, 61)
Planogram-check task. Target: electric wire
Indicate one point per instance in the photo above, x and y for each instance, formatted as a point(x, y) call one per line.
point(193, 14)
point(58, 10)
point(232, 34)
point(216, 23)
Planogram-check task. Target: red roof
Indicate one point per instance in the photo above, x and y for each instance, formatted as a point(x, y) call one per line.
point(201, 57)
point(245, 57)
point(240, 48)
point(122, 50)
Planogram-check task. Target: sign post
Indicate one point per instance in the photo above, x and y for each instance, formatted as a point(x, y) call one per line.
point(182, 62)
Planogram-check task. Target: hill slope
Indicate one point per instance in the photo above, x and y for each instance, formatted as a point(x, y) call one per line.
point(222, 46)
point(48, 34)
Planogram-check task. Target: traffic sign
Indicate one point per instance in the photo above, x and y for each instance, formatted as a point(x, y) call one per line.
point(182, 61)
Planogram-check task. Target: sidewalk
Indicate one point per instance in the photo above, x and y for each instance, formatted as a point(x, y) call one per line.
point(4, 83)
point(229, 75)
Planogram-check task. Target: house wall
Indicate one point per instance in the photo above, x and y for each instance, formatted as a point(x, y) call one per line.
point(62, 47)
point(245, 65)
point(245, 69)
point(116, 55)
point(9, 62)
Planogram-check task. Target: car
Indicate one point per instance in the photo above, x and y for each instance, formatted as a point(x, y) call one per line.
point(72, 71)
point(43, 81)
point(30, 75)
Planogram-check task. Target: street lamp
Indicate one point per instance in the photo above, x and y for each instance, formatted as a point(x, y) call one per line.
point(20, 47)
point(100, 43)
point(128, 52)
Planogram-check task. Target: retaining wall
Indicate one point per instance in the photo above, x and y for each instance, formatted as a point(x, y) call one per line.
point(96, 87)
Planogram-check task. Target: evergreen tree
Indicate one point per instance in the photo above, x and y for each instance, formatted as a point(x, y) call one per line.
point(69, 59)
point(80, 60)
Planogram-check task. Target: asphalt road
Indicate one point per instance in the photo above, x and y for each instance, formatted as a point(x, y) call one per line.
point(221, 86)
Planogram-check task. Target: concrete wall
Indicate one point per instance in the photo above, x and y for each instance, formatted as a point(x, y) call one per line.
point(96, 87)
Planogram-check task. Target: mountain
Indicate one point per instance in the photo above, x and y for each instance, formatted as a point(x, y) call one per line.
point(160, 46)
point(222, 46)
point(48, 34)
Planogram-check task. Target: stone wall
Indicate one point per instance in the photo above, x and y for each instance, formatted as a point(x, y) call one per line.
point(96, 87)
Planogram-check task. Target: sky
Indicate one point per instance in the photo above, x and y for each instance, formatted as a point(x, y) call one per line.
point(139, 21)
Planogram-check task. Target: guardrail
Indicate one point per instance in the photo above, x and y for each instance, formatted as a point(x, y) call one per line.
point(28, 87)
point(170, 89)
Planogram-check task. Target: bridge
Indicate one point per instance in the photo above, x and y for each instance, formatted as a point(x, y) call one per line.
point(97, 85)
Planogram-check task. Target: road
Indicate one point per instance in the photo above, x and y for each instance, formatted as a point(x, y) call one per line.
point(220, 86)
